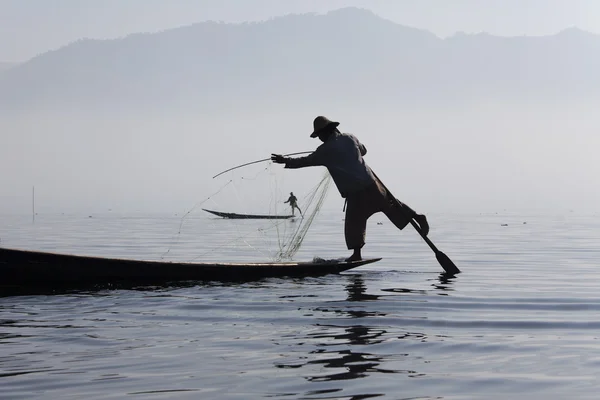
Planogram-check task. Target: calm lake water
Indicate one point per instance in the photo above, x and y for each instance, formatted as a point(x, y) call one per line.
point(521, 321)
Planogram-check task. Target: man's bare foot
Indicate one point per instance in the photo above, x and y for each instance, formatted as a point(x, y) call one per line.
point(355, 256)
point(422, 221)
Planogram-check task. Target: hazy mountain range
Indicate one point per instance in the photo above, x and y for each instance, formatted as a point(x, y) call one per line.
point(472, 122)
point(348, 55)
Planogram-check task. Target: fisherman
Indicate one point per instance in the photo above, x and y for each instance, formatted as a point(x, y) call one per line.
point(293, 203)
point(342, 154)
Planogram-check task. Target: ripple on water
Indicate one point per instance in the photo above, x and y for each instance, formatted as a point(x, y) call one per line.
point(520, 321)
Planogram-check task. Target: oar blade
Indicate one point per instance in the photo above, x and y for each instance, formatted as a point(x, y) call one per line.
point(447, 263)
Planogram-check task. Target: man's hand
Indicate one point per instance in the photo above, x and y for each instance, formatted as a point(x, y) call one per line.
point(278, 158)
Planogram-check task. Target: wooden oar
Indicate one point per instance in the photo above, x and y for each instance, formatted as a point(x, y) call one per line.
point(444, 260)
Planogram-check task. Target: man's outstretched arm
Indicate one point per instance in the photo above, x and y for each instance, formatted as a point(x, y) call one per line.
point(311, 160)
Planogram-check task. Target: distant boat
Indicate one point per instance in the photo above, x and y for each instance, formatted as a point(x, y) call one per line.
point(247, 216)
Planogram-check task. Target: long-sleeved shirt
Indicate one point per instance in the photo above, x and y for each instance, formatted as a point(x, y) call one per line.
point(342, 154)
point(292, 200)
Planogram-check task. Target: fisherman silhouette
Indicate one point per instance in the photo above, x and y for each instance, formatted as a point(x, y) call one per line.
point(342, 155)
point(293, 203)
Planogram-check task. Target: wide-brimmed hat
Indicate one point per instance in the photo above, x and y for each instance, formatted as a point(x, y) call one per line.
point(321, 123)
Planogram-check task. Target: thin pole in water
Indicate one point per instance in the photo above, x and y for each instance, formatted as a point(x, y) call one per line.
point(33, 203)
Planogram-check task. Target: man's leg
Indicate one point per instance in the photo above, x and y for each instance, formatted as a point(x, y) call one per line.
point(360, 206)
point(355, 228)
point(423, 224)
point(356, 256)
point(399, 213)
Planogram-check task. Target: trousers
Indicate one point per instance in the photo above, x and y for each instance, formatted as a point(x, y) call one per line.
point(363, 204)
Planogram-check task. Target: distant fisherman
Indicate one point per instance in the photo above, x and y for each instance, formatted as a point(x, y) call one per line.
point(342, 154)
point(293, 203)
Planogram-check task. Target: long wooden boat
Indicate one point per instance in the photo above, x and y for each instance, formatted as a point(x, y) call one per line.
point(247, 216)
point(23, 267)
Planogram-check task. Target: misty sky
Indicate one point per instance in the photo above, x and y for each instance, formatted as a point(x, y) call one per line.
point(30, 27)
point(488, 154)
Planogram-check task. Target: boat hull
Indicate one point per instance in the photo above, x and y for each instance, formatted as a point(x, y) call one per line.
point(247, 216)
point(22, 267)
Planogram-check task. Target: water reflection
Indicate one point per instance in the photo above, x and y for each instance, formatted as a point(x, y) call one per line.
point(356, 289)
point(313, 393)
point(104, 289)
point(338, 350)
point(445, 283)
point(355, 334)
point(356, 365)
